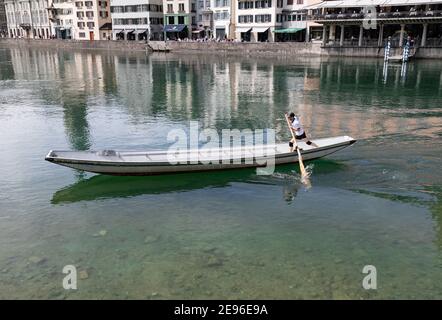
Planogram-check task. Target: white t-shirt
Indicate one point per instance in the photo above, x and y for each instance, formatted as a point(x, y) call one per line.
point(299, 131)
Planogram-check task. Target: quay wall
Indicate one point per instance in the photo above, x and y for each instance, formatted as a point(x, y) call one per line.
point(227, 48)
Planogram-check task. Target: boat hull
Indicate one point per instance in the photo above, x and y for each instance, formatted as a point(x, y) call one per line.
point(114, 165)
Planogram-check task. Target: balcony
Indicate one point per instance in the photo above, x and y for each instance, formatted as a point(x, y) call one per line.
point(396, 16)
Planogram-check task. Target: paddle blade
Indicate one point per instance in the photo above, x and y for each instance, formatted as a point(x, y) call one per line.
point(304, 174)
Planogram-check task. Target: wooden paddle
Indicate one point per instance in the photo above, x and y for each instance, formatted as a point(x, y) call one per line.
point(304, 174)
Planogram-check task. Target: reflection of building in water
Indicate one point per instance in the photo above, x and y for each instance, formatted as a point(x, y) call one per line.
point(346, 88)
point(72, 79)
point(6, 69)
point(134, 81)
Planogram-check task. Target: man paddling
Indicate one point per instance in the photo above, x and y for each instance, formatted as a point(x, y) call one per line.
point(297, 128)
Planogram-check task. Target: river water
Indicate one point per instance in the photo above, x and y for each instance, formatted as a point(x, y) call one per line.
point(233, 234)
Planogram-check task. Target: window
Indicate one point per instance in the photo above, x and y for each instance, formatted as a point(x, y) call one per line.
point(245, 5)
point(117, 9)
point(280, 3)
point(289, 2)
point(262, 18)
point(90, 25)
point(180, 20)
point(300, 1)
point(170, 20)
point(181, 7)
point(82, 34)
point(170, 8)
point(263, 4)
point(245, 19)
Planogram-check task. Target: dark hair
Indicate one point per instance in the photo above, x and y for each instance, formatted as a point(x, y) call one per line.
point(292, 115)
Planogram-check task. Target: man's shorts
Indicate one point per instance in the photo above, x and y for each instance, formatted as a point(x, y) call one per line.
point(302, 136)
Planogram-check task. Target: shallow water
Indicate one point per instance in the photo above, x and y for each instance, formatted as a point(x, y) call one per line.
point(227, 234)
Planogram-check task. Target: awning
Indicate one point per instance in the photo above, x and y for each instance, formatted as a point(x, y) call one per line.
point(118, 31)
point(142, 31)
point(106, 26)
point(260, 29)
point(288, 30)
point(130, 31)
point(174, 27)
point(243, 29)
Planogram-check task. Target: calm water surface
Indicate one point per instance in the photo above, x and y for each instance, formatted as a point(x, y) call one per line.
point(225, 234)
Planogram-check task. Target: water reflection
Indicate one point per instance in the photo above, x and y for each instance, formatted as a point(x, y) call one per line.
point(231, 93)
point(107, 187)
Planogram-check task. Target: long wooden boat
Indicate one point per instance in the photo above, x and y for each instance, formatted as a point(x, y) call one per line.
point(190, 160)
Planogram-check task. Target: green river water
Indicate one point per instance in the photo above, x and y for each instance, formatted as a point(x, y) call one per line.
point(226, 235)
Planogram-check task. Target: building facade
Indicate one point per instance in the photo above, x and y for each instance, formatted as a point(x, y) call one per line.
point(204, 19)
point(137, 19)
point(28, 18)
point(368, 23)
point(179, 19)
point(257, 20)
point(89, 17)
point(62, 19)
point(222, 15)
point(295, 23)
point(3, 21)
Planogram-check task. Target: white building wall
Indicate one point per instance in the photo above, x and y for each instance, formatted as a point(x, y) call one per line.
point(255, 26)
point(221, 18)
point(89, 16)
point(28, 18)
point(120, 20)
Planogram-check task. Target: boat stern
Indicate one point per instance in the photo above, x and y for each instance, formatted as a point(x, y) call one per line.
point(51, 156)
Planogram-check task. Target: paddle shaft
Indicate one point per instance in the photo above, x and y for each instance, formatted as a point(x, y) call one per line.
point(301, 163)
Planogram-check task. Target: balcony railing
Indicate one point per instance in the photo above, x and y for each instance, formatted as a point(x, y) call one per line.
point(380, 15)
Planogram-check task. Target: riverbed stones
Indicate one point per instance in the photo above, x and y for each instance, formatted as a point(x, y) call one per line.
point(37, 260)
point(83, 275)
point(101, 233)
point(151, 239)
point(214, 261)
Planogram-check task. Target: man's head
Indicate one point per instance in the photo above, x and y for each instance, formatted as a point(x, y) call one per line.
point(292, 116)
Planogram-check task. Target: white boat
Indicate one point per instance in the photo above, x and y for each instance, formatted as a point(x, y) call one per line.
point(191, 160)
